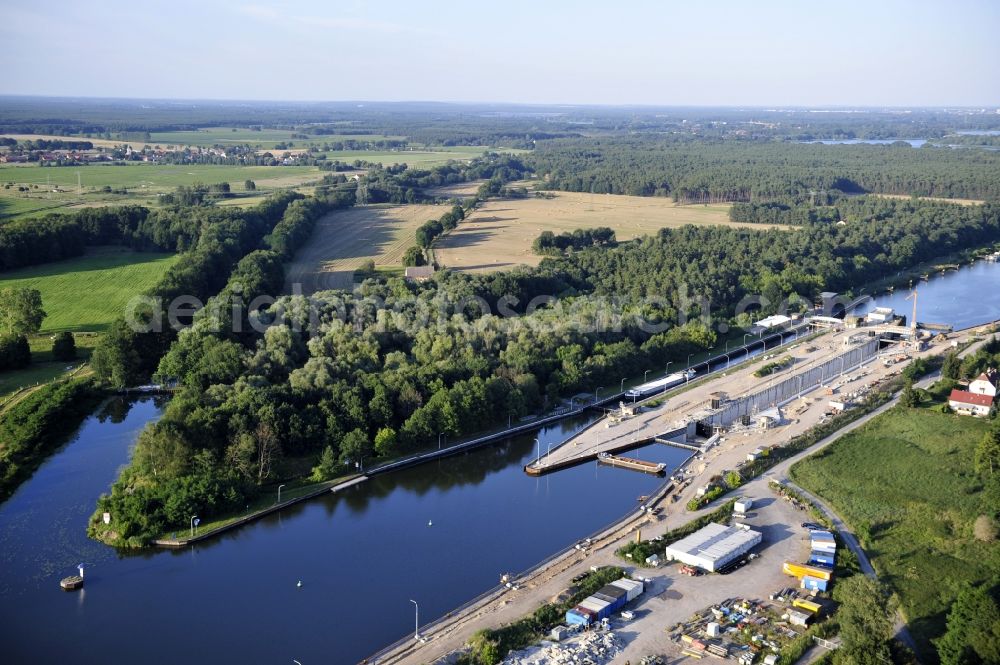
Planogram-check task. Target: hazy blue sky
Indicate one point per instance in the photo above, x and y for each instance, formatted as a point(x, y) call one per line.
point(848, 52)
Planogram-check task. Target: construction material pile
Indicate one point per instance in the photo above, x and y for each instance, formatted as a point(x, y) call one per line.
point(591, 648)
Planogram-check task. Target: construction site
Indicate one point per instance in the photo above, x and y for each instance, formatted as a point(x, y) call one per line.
point(826, 372)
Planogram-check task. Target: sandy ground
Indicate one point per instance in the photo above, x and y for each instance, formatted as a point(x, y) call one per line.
point(345, 239)
point(499, 234)
point(671, 597)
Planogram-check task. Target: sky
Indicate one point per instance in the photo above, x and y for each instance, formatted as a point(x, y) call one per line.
point(697, 52)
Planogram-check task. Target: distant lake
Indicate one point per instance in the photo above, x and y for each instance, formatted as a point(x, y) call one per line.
point(916, 143)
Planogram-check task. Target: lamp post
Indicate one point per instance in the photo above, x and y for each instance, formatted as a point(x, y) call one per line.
point(667, 370)
point(689, 360)
point(538, 449)
point(727, 346)
point(439, 439)
point(621, 386)
point(745, 338)
point(416, 619)
point(279, 493)
point(599, 388)
point(194, 522)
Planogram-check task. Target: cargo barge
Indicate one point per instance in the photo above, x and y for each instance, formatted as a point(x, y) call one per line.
point(655, 468)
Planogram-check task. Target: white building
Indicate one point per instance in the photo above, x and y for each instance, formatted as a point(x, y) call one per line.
point(881, 315)
point(985, 384)
point(963, 402)
point(714, 546)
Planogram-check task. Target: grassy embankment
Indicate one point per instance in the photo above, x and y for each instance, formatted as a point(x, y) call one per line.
point(81, 295)
point(905, 484)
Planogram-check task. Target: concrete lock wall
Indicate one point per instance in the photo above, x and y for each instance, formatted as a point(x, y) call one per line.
point(798, 384)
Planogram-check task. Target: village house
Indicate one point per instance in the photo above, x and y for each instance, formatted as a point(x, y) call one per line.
point(985, 383)
point(964, 402)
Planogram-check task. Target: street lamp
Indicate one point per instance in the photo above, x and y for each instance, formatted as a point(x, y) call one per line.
point(689, 360)
point(416, 619)
point(621, 387)
point(644, 376)
point(194, 522)
point(745, 338)
point(667, 370)
point(279, 493)
point(538, 449)
point(439, 438)
point(727, 346)
point(599, 388)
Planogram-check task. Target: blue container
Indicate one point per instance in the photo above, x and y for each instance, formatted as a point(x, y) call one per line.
point(813, 583)
point(822, 559)
point(574, 619)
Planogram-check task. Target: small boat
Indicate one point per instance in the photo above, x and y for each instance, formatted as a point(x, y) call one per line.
point(71, 583)
point(430, 523)
point(642, 498)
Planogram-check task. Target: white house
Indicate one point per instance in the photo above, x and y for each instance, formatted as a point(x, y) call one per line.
point(968, 403)
point(985, 384)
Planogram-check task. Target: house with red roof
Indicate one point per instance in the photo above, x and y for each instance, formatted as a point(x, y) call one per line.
point(964, 402)
point(985, 383)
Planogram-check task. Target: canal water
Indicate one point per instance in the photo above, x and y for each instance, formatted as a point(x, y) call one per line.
point(361, 555)
point(962, 298)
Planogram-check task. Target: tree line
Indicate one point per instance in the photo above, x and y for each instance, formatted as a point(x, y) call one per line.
point(703, 170)
point(549, 243)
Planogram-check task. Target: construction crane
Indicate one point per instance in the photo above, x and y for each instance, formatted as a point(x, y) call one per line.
point(913, 321)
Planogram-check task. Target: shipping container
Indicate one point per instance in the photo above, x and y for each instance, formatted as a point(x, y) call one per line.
point(633, 588)
point(823, 557)
point(807, 605)
point(601, 608)
point(577, 618)
point(612, 590)
point(813, 583)
point(798, 618)
point(821, 535)
point(800, 570)
point(615, 603)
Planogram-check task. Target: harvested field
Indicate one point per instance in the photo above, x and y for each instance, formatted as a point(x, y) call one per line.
point(345, 239)
point(456, 190)
point(500, 233)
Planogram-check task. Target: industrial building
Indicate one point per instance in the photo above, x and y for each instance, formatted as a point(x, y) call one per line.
point(714, 546)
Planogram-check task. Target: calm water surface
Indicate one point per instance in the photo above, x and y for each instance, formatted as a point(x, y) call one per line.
point(361, 555)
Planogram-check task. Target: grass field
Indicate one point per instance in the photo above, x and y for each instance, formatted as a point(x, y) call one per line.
point(500, 233)
point(459, 189)
point(344, 240)
point(43, 366)
point(905, 484)
point(98, 143)
point(88, 292)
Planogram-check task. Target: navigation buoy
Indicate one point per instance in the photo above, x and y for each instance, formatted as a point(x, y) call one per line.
point(430, 523)
point(299, 584)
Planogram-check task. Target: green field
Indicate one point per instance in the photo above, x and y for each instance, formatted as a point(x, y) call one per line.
point(905, 485)
point(88, 292)
point(154, 177)
point(43, 366)
point(265, 138)
point(11, 206)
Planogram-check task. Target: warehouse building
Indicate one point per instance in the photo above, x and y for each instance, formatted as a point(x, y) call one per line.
point(714, 546)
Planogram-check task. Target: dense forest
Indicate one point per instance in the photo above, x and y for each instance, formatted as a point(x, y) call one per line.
point(386, 372)
point(691, 170)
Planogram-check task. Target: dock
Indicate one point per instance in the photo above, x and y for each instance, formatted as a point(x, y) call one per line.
point(655, 468)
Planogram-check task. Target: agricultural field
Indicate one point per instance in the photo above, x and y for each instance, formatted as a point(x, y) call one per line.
point(265, 138)
point(913, 510)
point(88, 292)
point(344, 240)
point(500, 233)
point(457, 190)
point(54, 187)
point(98, 143)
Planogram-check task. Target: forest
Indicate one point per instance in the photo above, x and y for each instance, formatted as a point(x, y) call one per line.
point(384, 372)
point(706, 171)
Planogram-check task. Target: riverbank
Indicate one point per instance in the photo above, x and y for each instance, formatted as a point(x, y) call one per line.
point(212, 529)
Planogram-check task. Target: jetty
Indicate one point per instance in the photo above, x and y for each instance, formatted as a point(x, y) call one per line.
point(655, 468)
